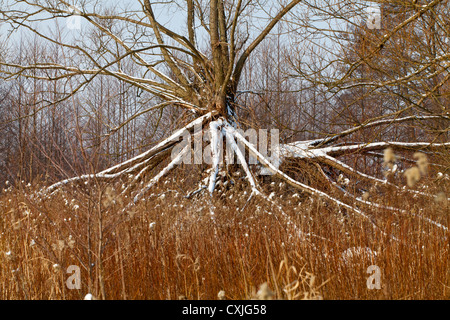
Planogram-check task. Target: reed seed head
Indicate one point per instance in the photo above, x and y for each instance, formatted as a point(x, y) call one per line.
point(264, 292)
point(221, 295)
point(422, 162)
point(389, 158)
point(412, 176)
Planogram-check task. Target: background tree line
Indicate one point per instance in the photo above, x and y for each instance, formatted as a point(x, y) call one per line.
point(320, 71)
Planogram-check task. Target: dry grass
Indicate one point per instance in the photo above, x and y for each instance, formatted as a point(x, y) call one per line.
point(170, 247)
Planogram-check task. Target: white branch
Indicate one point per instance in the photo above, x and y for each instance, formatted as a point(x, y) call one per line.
point(163, 144)
point(229, 132)
point(136, 162)
point(298, 184)
point(305, 149)
point(373, 204)
point(216, 139)
point(162, 173)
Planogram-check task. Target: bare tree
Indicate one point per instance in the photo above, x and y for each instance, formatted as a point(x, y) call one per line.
point(202, 78)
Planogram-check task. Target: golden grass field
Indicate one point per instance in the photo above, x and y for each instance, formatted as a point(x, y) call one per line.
point(170, 247)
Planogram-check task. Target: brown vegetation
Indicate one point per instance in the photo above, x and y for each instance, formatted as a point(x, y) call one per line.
point(170, 247)
point(89, 121)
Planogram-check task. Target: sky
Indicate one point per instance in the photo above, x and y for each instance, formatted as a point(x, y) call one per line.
point(171, 17)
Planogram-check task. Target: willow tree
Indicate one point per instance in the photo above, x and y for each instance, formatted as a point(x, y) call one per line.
point(203, 77)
